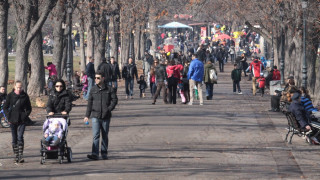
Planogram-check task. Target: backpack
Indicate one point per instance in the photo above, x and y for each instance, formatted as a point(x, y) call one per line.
point(213, 76)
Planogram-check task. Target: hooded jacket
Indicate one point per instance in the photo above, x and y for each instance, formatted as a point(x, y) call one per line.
point(256, 67)
point(161, 73)
point(173, 71)
point(207, 68)
point(52, 70)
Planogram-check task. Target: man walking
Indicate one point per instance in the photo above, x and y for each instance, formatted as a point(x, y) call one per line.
point(102, 100)
point(195, 76)
point(256, 67)
point(161, 76)
point(115, 74)
point(128, 73)
point(105, 68)
point(90, 75)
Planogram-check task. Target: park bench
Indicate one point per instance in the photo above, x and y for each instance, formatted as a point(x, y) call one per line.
point(293, 127)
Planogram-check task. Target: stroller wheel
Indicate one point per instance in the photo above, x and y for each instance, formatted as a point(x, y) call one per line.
point(69, 154)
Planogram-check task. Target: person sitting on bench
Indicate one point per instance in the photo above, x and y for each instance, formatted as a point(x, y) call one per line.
point(297, 109)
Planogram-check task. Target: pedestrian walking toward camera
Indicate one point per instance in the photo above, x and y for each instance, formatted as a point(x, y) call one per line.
point(161, 77)
point(102, 100)
point(129, 71)
point(195, 76)
point(142, 86)
point(17, 108)
point(236, 78)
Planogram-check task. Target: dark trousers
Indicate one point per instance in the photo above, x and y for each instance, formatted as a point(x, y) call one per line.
point(232, 58)
point(244, 64)
point(236, 84)
point(100, 125)
point(161, 85)
point(153, 88)
point(209, 90)
point(142, 91)
point(129, 84)
point(172, 88)
point(17, 131)
point(221, 65)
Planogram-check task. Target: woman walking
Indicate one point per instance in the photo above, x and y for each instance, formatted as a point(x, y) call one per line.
point(17, 107)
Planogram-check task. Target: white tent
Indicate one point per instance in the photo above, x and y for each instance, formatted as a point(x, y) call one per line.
point(175, 25)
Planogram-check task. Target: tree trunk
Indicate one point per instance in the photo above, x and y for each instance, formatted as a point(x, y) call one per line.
point(37, 79)
point(153, 31)
point(114, 25)
point(100, 42)
point(58, 36)
point(64, 59)
point(4, 8)
point(82, 48)
point(23, 14)
point(137, 41)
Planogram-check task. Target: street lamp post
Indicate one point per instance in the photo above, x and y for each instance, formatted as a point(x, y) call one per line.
point(304, 4)
point(131, 46)
point(69, 47)
point(282, 49)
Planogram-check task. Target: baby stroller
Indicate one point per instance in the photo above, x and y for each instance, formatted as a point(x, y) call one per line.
point(59, 150)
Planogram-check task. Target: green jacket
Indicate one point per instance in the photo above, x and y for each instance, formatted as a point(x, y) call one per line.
point(207, 68)
point(236, 75)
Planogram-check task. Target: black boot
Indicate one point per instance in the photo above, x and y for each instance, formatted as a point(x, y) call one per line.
point(21, 159)
point(15, 152)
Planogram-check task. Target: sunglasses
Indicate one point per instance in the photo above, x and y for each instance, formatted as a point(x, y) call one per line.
point(98, 77)
point(59, 86)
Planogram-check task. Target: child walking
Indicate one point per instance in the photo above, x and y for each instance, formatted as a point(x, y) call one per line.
point(262, 83)
point(142, 86)
point(236, 78)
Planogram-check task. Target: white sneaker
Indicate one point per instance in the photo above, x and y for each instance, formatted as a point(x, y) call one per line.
point(201, 104)
point(240, 93)
point(190, 103)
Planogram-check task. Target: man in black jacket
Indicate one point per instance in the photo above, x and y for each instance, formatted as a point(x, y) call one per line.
point(105, 68)
point(102, 100)
point(115, 74)
point(129, 71)
point(161, 76)
point(299, 112)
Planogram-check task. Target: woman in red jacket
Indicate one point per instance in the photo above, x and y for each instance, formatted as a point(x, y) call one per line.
point(173, 74)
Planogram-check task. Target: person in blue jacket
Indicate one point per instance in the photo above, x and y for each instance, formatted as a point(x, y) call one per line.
point(195, 77)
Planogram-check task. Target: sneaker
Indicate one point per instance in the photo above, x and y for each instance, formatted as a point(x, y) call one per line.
point(92, 157)
point(201, 104)
point(190, 103)
point(234, 92)
point(153, 103)
point(240, 92)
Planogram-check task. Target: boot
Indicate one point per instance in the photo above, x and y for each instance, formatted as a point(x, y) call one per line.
point(15, 152)
point(20, 159)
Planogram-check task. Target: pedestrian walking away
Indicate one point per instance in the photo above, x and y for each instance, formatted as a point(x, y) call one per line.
point(90, 77)
point(102, 100)
point(17, 108)
point(210, 74)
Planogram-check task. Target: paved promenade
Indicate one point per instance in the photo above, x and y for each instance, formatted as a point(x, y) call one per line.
point(231, 137)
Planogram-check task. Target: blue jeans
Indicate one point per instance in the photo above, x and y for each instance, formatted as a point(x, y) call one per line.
point(209, 90)
point(90, 84)
point(129, 82)
point(97, 126)
point(17, 131)
point(52, 138)
point(114, 83)
point(236, 84)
